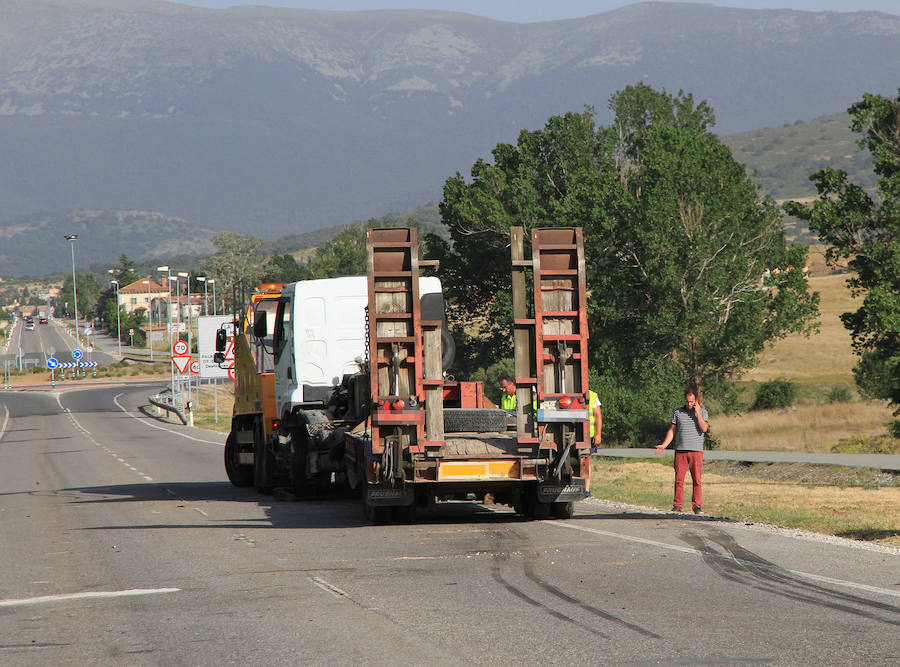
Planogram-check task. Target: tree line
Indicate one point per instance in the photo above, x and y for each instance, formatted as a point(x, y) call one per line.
point(690, 274)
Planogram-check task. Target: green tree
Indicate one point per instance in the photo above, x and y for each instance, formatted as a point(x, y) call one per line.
point(88, 291)
point(285, 269)
point(124, 272)
point(676, 240)
point(345, 255)
point(237, 261)
point(864, 231)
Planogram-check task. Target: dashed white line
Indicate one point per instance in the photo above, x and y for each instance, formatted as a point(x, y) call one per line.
point(90, 436)
point(697, 552)
point(85, 596)
point(329, 588)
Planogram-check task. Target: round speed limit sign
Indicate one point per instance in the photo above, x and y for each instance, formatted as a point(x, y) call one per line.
point(180, 347)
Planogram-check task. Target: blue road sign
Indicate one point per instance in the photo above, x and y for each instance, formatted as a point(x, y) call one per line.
point(77, 354)
point(52, 363)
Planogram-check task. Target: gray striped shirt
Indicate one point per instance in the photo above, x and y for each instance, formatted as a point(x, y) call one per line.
point(688, 436)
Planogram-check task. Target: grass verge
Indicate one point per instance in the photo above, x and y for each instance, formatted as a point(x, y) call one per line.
point(848, 502)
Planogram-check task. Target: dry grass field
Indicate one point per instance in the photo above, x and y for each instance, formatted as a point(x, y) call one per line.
point(866, 511)
point(816, 364)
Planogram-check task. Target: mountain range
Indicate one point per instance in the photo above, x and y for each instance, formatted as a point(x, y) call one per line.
point(280, 121)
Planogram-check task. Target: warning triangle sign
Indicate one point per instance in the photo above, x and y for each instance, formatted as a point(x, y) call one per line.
point(181, 361)
point(229, 351)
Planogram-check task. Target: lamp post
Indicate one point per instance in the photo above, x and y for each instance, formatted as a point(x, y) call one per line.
point(186, 279)
point(165, 269)
point(71, 238)
point(118, 319)
point(212, 281)
point(149, 318)
point(202, 279)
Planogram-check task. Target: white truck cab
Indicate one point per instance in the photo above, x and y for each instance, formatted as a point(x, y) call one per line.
point(320, 336)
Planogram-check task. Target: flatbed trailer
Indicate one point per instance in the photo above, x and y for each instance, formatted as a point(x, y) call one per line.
point(541, 465)
point(348, 388)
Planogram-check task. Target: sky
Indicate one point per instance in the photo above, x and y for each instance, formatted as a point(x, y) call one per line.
point(528, 11)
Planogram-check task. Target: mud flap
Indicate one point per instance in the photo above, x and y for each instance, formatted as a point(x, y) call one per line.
point(394, 496)
point(557, 492)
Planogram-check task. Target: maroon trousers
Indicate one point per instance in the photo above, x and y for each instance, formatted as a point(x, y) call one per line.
point(685, 461)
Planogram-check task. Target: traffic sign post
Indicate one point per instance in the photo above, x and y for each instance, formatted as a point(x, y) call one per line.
point(52, 364)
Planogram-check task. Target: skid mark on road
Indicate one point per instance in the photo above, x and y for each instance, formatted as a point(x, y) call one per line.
point(697, 552)
point(742, 566)
point(100, 445)
point(562, 595)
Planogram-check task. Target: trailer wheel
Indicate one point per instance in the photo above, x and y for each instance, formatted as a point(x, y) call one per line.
point(239, 475)
point(474, 420)
point(563, 510)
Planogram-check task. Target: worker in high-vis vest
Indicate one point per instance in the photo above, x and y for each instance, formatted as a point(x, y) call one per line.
point(508, 398)
point(596, 419)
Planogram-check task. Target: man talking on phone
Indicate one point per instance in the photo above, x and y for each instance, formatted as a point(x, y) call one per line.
point(688, 428)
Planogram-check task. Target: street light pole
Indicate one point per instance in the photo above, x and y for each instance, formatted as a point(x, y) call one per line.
point(71, 238)
point(213, 281)
point(118, 318)
point(202, 279)
point(186, 278)
point(165, 269)
point(149, 318)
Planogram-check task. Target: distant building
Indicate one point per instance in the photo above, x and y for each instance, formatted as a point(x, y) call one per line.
point(139, 297)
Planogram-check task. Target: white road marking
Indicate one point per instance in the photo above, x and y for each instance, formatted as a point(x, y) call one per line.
point(5, 420)
point(329, 588)
point(696, 552)
point(90, 436)
point(161, 428)
point(86, 596)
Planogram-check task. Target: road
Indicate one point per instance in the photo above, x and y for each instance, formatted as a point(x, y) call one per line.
point(44, 341)
point(123, 543)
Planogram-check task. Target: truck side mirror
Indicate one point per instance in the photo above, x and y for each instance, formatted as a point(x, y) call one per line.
point(260, 326)
point(221, 340)
point(218, 357)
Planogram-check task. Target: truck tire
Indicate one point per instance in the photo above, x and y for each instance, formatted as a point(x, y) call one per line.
point(300, 485)
point(474, 420)
point(263, 461)
point(563, 510)
point(239, 475)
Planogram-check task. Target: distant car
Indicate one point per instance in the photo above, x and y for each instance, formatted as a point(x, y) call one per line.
point(42, 320)
point(29, 326)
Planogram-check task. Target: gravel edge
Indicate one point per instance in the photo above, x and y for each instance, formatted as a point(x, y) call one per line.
point(625, 508)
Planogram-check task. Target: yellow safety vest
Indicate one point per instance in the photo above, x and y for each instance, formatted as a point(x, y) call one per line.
point(508, 402)
point(592, 398)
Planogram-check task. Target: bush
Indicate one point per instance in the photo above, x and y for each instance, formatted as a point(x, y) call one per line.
point(839, 394)
point(637, 413)
point(774, 395)
point(723, 397)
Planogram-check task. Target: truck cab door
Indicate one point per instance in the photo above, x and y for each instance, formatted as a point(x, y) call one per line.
point(286, 381)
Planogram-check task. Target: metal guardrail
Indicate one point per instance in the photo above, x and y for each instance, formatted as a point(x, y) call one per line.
point(163, 400)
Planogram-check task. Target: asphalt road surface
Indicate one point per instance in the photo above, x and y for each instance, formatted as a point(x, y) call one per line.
point(44, 341)
point(123, 543)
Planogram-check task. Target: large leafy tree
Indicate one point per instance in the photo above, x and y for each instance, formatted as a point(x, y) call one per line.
point(285, 269)
point(345, 255)
point(676, 236)
point(864, 232)
point(88, 290)
point(236, 262)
